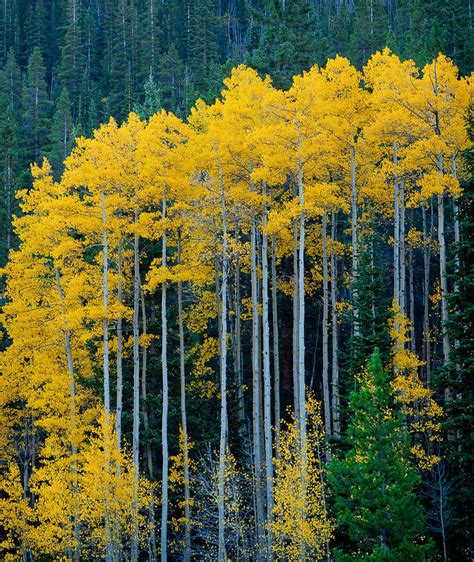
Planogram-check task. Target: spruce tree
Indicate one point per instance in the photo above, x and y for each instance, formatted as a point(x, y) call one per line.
point(460, 411)
point(36, 109)
point(73, 59)
point(152, 102)
point(288, 43)
point(9, 143)
point(10, 82)
point(61, 131)
point(373, 481)
point(203, 48)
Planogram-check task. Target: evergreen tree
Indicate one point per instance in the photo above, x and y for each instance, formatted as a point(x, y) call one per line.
point(460, 411)
point(152, 102)
point(288, 42)
point(61, 131)
point(72, 62)
point(370, 31)
point(374, 481)
point(36, 109)
point(8, 159)
point(372, 301)
point(171, 75)
point(10, 81)
point(203, 48)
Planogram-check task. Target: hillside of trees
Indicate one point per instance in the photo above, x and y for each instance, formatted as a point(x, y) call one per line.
point(237, 282)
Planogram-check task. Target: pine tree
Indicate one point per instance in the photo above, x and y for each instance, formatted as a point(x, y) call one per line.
point(373, 481)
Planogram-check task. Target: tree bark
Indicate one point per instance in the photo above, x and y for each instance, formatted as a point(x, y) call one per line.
point(184, 423)
point(119, 408)
point(222, 555)
point(256, 402)
point(335, 349)
point(109, 548)
point(238, 349)
point(301, 306)
point(396, 231)
point(267, 391)
point(403, 305)
point(136, 389)
point(165, 405)
point(276, 348)
point(355, 245)
point(325, 329)
point(426, 295)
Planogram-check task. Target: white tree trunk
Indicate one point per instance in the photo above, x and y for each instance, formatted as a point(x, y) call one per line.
point(443, 275)
point(109, 549)
point(296, 392)
point(335, 349)
point(136, 389)
point(396, 231)
point(276, 348)
point(118, 413)
point(325, 329)
point(165, 405)
point(222, 555)
point(256, 396)
point(426, 295)
point(184, 422)
point(403, 298)
point(238, 349)
point(301, 307)
point(267, 391)
point(355, 244)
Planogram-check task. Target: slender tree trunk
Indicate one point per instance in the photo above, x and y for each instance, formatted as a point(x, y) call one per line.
point(411, 281)
point(184, 422)
point(146, 423)
point(301, 307)
point(72, 394)
point(396, 231)
point(426, 295)
point(256, 403)
point(403, 305)
point(267, 393)
point(118, 417)
point(164, 415)
point(136, 389)
point(295, 323)
point(146, 427)
point(443, 278)
point(276, 348)
point(238, 349)
point(355, 245)
point(325, 329)
point(335, 349)
point(222, 554)
point(444, 286)
point(109, 549)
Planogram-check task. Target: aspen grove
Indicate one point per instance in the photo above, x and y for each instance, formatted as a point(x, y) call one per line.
point(236, 335)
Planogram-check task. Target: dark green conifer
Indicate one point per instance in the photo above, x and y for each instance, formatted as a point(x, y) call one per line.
point(374, 482)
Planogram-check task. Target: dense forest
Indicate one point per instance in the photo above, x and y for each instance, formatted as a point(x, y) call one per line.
point(237, 282)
